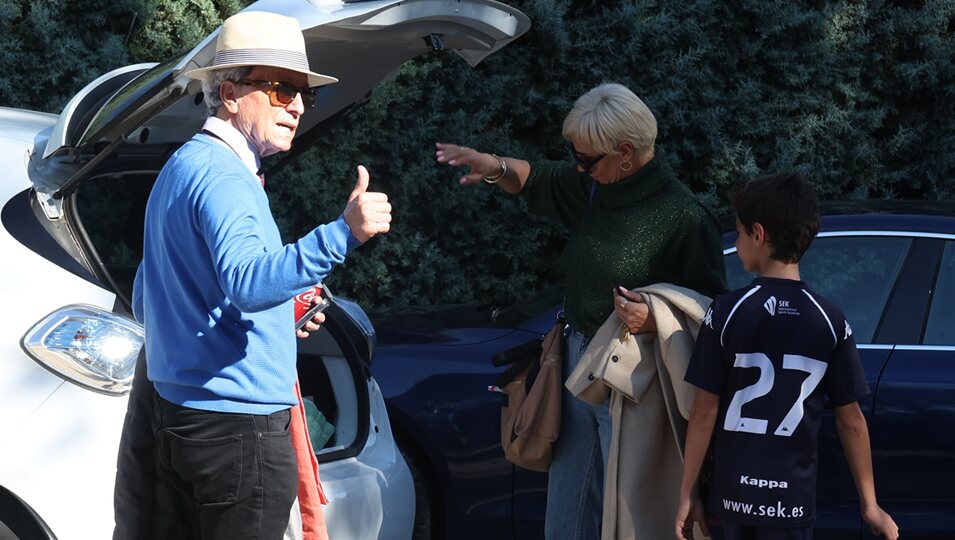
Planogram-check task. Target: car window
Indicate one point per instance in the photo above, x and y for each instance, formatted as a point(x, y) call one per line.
point(110, 209)
point(940, 329)
point(857, 273)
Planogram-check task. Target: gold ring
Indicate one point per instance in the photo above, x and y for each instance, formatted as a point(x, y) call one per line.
point(623, 303)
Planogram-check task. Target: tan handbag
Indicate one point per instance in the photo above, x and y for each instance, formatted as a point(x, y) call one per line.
point(530, 415)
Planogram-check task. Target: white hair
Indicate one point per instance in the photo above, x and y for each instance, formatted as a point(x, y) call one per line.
point(213, 80)
point(609, 115)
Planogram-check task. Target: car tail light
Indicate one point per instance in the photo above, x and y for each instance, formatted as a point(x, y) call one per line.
point(87, 345)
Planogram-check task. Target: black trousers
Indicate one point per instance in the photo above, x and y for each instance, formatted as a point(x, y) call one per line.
point(193, 474)
point(136, 491)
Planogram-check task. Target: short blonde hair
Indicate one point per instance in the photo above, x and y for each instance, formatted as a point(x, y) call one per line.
point(609, 115)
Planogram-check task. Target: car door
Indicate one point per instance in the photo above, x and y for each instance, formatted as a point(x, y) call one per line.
point(912, 426)
point(858, 271)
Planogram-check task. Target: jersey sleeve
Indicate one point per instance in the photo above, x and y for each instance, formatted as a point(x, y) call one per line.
point(845, 380)
point(707, 371)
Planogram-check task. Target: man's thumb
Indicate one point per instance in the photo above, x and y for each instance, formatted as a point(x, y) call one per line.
point(362, 185)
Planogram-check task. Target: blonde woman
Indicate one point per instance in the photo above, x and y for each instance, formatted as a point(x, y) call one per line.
point(632, 223)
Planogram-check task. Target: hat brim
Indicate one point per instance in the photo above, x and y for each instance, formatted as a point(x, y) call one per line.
point(314, 79)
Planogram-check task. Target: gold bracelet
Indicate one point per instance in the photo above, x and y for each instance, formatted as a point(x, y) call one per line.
point(497, 177)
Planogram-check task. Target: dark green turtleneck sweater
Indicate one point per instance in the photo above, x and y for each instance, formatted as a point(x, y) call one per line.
point(647, 228)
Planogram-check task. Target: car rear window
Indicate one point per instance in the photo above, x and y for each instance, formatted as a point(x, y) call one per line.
point(940, 329)
point(855, 272)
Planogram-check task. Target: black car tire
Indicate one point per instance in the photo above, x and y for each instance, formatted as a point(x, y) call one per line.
point(6, 533)
point(422, 498)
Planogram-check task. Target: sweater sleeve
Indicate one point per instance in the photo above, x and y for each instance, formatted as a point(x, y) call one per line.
point(138, 295)
point(703, 268)
point(556, 190)
point(233, 223)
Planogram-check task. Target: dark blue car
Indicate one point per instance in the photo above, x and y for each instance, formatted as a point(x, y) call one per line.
point(890, 266)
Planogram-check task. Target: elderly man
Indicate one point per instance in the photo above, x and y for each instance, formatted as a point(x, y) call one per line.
point(214, 293)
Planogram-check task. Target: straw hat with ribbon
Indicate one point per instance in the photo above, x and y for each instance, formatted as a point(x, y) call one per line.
point(259, 38)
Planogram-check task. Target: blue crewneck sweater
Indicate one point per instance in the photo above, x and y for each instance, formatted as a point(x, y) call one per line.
point(215, 286)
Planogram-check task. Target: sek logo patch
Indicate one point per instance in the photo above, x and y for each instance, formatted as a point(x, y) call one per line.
point(770, 305)
point(761, 483)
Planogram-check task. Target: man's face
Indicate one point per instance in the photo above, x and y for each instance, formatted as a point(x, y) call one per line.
point(270, 128)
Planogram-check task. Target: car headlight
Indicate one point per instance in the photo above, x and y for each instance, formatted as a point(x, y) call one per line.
point(87, 345)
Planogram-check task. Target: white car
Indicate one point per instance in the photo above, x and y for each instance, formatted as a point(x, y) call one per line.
point(72, 190)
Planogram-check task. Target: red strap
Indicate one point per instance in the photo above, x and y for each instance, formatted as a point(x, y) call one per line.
point(311, 496)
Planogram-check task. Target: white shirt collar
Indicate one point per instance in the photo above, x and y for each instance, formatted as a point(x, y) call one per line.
point(232, 138)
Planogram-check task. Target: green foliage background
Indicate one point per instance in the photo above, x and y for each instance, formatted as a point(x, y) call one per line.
point(858, 95)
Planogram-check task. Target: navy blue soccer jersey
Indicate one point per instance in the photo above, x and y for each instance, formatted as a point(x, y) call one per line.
point(772, 351)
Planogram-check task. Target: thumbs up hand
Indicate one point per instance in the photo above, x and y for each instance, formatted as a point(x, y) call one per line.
point(367, 213)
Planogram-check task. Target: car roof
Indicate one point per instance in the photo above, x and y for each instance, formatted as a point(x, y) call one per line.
point(880, 215)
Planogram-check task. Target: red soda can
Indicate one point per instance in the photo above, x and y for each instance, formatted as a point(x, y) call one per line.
point(305, 309)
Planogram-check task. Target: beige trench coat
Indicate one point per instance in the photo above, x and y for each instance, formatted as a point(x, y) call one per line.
point(649, 407)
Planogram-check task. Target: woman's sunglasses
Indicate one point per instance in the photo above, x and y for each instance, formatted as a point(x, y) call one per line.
point(282, 93)
point(584, 162)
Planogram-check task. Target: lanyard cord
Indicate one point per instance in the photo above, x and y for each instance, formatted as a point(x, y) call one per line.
point(225, 142)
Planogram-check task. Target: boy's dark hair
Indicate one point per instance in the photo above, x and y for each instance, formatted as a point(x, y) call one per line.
point(785, 205)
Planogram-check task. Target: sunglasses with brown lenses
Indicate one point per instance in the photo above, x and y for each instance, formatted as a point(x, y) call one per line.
point(585, 163)
point(282, 93)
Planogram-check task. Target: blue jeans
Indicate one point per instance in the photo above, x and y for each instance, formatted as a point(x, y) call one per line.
point(579, 464)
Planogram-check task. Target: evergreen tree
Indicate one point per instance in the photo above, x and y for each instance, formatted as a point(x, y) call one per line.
point(50, 49)
point(172, 27)
point(857, 95)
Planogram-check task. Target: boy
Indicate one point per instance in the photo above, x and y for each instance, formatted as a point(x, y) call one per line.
point(765, 356)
